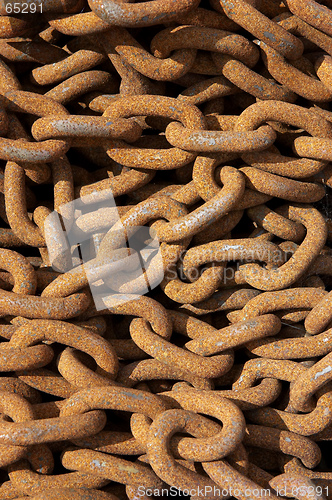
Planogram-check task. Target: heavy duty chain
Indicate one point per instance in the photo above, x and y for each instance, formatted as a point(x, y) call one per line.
point(165, 259)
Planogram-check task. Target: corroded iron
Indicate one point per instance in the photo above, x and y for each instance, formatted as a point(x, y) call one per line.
point(209, 126)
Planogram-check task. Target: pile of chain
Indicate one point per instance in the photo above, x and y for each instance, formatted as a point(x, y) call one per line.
point(210, 123)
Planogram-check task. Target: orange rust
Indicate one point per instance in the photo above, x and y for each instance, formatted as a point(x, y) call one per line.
point(232, 98)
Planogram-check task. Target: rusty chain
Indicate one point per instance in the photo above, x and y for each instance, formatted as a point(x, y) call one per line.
point(201, 363)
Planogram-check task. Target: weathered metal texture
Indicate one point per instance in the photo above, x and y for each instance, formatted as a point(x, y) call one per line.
point(210, 124)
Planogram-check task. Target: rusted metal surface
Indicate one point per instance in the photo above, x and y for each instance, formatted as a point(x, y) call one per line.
point(209, 122)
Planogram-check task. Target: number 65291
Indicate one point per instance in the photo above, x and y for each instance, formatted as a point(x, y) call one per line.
point(24, 8)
